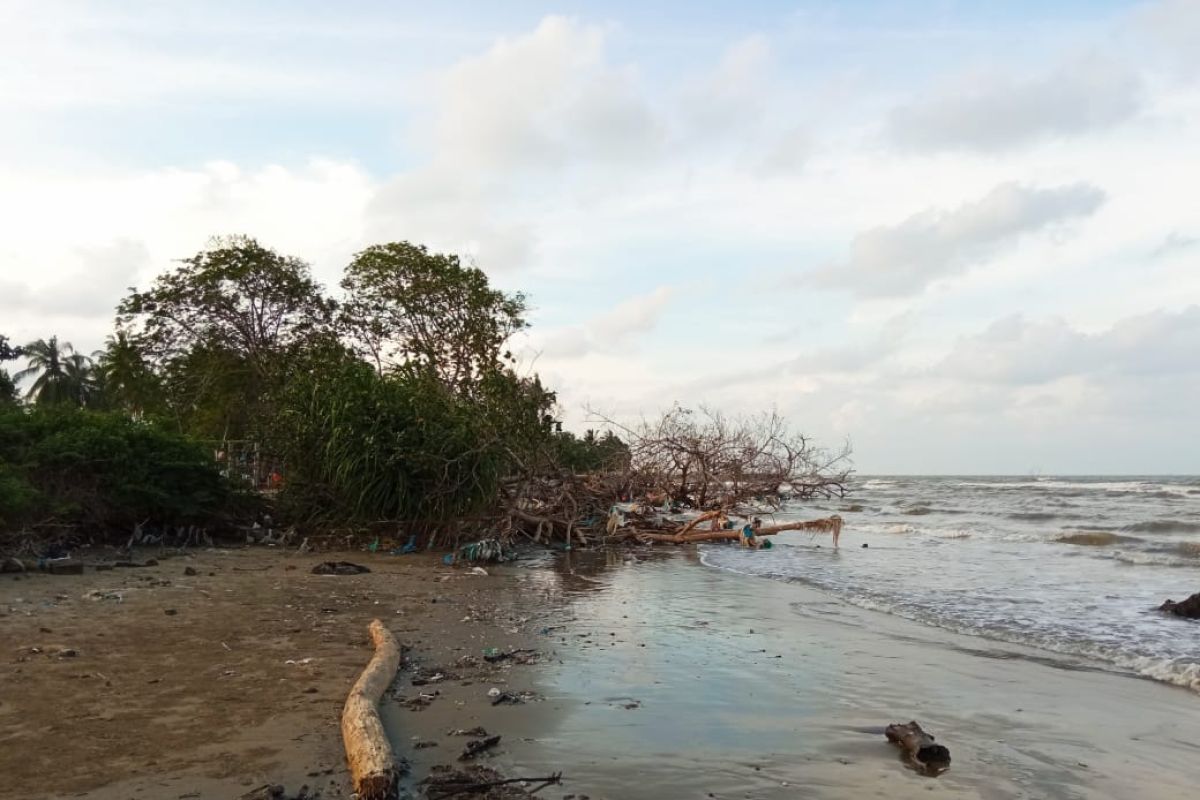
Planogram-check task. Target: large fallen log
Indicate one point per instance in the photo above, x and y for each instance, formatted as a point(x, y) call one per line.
point(373, 768)
point(922, 752)
point(832, 525)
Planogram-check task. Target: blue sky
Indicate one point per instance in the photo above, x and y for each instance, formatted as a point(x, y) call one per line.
point(961, 234)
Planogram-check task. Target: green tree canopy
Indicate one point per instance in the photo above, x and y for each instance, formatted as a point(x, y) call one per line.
point(126, 378)
point(407, 306)
point(221, 331)
point(238, 295)
point(59, 374)
point(8, 387)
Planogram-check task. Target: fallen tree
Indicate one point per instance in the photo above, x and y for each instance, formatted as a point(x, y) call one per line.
point(373, 768)
point(702, 460)
point(687, 534)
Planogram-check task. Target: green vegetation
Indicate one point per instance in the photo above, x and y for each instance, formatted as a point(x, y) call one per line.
point(103, 472)
point(397, 402)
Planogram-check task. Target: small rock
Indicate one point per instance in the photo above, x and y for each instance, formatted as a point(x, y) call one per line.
point(190, 571)
point(338, 568)
point(170, 612)
point(1189, 608)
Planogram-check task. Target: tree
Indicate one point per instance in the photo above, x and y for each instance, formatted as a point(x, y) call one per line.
point(126, 379)
point(60, 375)
point(7, 351)
point(8, 387)
point(706, 459)
point(236, 294)
point(222, 329)
point(407, 306)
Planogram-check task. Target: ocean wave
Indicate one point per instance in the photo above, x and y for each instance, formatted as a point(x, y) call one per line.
point(1148, 558)
point(1178, 671)
point(1081, 486)
point(1164, 526)
point(1032, 516)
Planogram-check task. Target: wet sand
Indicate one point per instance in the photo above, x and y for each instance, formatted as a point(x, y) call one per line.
point(660, 678)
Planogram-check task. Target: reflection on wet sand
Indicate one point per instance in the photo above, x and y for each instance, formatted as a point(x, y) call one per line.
point(745, 687)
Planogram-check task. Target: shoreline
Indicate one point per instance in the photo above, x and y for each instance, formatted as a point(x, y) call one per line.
point(653, 677)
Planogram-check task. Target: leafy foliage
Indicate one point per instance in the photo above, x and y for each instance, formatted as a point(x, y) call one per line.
point(103, 471)
point(238, 294)
point(60, 375)
point(7, 351)
point(591, 453)
point(219, 331)
point(126, 378)
point(407, 306)
point(8, 387)
point(366, 446)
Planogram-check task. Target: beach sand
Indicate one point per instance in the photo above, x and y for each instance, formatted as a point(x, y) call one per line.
point(658, 678)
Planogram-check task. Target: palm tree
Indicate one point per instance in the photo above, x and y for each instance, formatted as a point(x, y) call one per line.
point(125, 378)
point(60, 374)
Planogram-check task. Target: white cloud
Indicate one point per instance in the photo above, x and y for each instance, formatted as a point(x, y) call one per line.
point(537, 100)
point(903, 259)
point(615, 330)
point(1173, 27)
point(734, 95)
point(74, 243)
point(998, 112)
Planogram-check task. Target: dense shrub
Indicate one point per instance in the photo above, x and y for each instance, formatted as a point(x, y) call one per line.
point(362, 446)
point(103, 471)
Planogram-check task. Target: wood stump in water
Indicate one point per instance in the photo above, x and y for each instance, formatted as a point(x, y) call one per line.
point(923, 753)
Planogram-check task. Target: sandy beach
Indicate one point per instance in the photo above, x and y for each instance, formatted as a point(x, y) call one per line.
point(654, 676)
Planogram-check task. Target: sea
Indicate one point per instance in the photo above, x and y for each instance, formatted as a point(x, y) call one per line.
point(1071, 566)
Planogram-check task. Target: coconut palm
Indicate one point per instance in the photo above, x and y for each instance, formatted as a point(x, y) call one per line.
point(60, 375)
point(124, 376)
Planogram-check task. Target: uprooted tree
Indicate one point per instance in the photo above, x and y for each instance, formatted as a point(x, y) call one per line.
point(701, 460)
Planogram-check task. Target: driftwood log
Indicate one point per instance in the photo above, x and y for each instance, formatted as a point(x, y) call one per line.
point(373, 768)
point(832, 525)
point(922, 752)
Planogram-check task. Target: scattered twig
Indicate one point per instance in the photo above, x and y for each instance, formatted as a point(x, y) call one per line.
point(465, 787)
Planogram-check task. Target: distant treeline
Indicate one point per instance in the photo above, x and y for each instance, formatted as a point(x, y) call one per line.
point(398, 400)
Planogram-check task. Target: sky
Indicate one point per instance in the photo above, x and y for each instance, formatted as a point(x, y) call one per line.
point(961, 236)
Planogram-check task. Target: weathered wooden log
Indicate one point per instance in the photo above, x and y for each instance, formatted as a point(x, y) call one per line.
point(832, 525)
point(923, 753)
point(692, 523)
point(373, 768)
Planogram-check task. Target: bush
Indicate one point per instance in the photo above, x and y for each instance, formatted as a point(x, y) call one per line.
point(360, 446)
point(103, 471)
